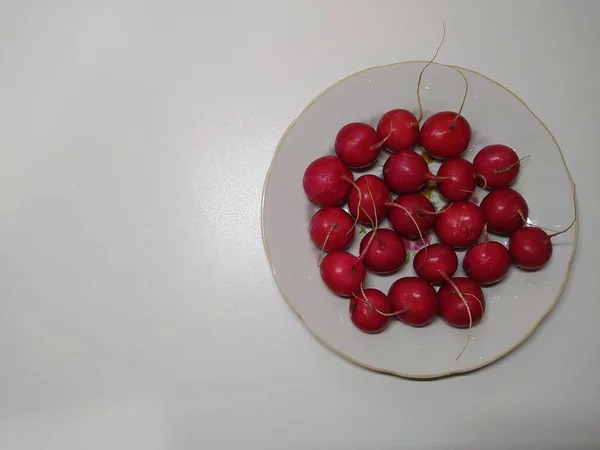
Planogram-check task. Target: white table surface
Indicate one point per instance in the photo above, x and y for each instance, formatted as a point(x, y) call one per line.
point(137, 309)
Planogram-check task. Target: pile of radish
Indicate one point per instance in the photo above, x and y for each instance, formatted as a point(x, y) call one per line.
point(398, 211)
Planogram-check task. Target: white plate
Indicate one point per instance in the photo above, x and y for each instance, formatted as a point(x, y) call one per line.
point(515, 306)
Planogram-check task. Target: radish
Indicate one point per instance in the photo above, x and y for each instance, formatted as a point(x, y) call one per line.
point(400, 130)
point(456, 179)
point(497, 166)
point(406, 172)
point(431, 263)
point(531, 247)
point(327, 181)
point(386, 253)
point(331, 228)
point(505, 211)
point(342, 272)
point(357, 145)
point(370, 310)
point(462, 304)
point(487, 262)
point(459, 224)
point(411, 215)
point(416, 300)
point(373, 194)
point(445, 135)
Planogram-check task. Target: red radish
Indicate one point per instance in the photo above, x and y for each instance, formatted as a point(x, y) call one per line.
point(462, 304)
point(401, 129)
point(487, 262)
point(445, 135)
point(411, 215)
point(356, 144)
point(433, 261)
point(406, 171)
point(497, 166)
point(343, 272)
point(415, 299)
point(370, 310)
point(459, 224)
point(505, 210)
point(454, 310)
point(370, 196)
point(327, 181)
point(530, 248)
point(331, 228)
point(456, 179)
point(386, 253)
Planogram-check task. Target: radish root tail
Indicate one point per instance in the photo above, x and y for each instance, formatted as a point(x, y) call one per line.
point(380, 144)
point(374, 223)
point(576, 213)
point(462, 105)
point(366, 301)
point(320, 260)
point(507, 168)
point(423, 70)
point(462, 297)
point(348, 180)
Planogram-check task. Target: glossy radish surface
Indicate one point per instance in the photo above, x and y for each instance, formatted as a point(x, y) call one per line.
point(445, 135)
point(406, 172)
point(505, 211)
point(487, 262)
point(357, 145)
point(366, 310)
point(454, 310)
point(411, 215)
point(530, 248)
point(343, 273)
point(459, 224)
point(416, 299)
point(497, 166)
point(386, 253)
point(456, 179)
point(434, 262)
point(402, 128)
point(374, 194)
point(325, 181)
point(331, 228)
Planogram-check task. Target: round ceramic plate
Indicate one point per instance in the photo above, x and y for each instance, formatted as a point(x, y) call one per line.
point(514, 307)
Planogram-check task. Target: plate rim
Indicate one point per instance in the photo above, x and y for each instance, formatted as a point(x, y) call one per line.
point(381, 369)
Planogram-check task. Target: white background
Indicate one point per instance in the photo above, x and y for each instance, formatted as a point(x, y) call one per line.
point(137, 309)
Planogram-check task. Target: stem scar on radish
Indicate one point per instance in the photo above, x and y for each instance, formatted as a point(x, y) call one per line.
point(358, 146)
point(505, 211)
point(325, 181)
point(497, 166)
point(434, 260)
point(406, 172)
point(531, 247)
point(487, 262)
point(416, 298)
point(462, 304)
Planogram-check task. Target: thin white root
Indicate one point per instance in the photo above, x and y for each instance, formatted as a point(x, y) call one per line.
point(423, 70)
